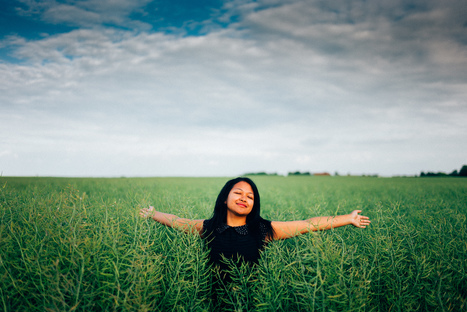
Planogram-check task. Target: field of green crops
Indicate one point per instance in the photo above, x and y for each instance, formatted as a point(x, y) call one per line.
point(79, 245)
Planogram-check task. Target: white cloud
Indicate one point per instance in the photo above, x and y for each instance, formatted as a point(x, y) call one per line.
point(291, 87)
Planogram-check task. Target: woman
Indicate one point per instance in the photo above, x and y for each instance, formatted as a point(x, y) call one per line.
point(237, 231)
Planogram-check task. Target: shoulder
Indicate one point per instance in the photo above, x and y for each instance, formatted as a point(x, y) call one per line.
point(265, 224)
point(207, 223)
point(207, 227)
point(265, 229)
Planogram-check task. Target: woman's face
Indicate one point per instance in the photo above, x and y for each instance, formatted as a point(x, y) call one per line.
point(241, 199)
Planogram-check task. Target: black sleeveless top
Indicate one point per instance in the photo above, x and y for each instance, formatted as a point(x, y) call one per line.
point(236, 243)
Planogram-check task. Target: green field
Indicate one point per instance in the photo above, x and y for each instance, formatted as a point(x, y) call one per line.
point(79, 245)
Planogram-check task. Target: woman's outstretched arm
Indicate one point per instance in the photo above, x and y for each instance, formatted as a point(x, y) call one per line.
point(186, 225)
point(287, 229)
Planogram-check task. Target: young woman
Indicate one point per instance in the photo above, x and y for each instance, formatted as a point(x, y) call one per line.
point(237, 231)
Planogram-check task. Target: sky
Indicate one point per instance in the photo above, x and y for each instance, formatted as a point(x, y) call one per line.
point(140, 88)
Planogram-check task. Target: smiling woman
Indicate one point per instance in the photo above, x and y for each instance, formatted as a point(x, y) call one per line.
point(237, 232)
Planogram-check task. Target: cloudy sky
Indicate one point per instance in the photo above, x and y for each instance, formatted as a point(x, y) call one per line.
point(221, 88)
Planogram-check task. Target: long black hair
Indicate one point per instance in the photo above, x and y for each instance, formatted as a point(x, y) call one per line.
point(253, 220)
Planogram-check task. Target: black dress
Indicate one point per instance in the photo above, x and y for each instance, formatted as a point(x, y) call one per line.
point(238, 245)
point(234, 243)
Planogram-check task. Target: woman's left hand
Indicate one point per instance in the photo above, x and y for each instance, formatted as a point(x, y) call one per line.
point(358, 220)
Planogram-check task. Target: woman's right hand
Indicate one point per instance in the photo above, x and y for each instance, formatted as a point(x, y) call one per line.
point(147, 212)
point(186, 225)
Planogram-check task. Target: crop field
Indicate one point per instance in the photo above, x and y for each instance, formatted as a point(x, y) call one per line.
point(78, 244)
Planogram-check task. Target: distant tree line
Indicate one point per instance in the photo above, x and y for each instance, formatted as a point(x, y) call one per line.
point(306, 173)
point(455, 173)
point(295, 173)
point(298, 173)
point(260, 174)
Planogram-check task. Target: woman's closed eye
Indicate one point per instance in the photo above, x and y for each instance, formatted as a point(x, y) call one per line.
point(239, 193)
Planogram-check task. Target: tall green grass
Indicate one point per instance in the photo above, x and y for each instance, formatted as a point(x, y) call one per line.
point(79, 245)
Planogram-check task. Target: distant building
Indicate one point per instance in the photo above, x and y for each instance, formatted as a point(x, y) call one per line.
point(321, 174)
